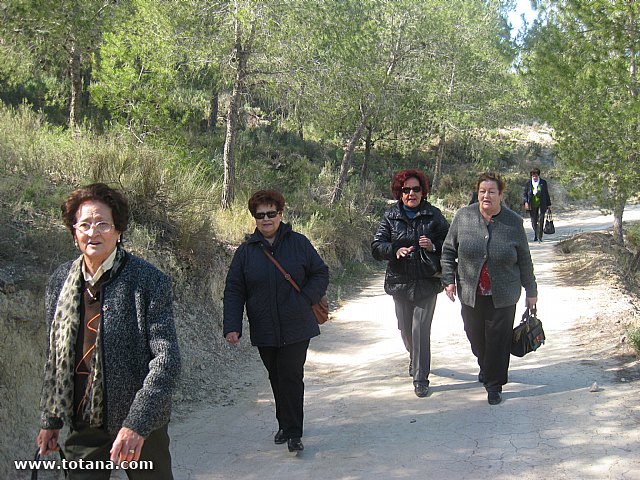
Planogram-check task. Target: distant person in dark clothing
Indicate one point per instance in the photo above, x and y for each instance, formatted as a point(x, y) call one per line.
point(474, 198)
point(281, 321)
point(537, 202)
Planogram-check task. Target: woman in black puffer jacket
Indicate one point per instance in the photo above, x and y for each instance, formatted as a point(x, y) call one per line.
point(410, 238)
point(281, 321)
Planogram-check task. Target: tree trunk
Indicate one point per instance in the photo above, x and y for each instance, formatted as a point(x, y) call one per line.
point(75, 76)
point(229, 156)
point(618, 210)
point(437, 170)
point(346, 163)
point(364, 172)
point(214, 106)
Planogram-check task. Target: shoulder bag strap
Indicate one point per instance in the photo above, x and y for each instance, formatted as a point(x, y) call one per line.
point(284, 272)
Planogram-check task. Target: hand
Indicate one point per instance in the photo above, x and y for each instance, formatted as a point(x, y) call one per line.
point(403, 252)
point(526, 206)
point(47, 440)
point(450, 290)
point(233, 337)
point(127, 446)
point(425, 242)
point(531, 302)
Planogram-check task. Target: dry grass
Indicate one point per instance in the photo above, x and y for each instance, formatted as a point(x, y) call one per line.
point(593, 258)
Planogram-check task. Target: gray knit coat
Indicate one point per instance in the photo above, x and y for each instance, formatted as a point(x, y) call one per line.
point(503, 246)
point(140, 356)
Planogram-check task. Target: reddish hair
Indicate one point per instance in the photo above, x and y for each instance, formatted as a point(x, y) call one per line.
point(266, 197)
point(402, 176)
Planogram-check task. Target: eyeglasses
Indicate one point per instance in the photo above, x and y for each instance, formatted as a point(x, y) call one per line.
point(100, 227)
point(407, 190)
point(270, 214)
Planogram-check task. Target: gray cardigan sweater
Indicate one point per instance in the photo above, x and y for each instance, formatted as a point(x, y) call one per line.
point(503, 245)
point(141, 360)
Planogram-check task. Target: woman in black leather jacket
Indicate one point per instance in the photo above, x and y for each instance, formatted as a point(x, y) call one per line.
point(410, 237)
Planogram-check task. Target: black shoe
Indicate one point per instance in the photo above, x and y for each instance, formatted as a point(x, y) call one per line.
point(295, 445)
point(494, 398)
point(279, 438)
point(421, 390)
point(481, 376)
point(535, 239)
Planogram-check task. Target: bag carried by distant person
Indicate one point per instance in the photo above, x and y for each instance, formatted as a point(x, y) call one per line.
point(320, 309)
point(527, 336)
point(549, 228)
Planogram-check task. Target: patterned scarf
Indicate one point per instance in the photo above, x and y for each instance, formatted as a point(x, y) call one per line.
point(57, 398)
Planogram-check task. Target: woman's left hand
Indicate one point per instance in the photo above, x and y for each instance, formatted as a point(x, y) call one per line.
point(532, 302)
point(425, 242)
point(127, 446)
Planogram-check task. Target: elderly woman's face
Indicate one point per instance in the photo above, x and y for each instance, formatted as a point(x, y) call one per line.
point(489, 197)
point(411, 192)
point(268, 220)
point(95, 232)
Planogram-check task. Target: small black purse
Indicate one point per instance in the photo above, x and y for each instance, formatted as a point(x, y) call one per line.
point(549, 228)
point(527, 336)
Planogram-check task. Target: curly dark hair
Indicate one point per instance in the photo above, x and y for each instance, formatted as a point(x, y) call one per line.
point(402, 176)
point(491, 177)
point(99, 192)
point(266, 197)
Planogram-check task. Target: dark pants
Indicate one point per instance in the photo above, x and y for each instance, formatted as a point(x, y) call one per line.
point(489, 331)
point(537, 221)
point(93, 444)
point(286, 372)
point(414, 322)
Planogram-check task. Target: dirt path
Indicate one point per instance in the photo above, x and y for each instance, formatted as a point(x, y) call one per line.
point(363, 421)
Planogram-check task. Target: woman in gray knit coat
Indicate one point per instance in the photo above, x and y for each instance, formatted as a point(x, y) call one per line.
point(486, 259)
point(112, 360)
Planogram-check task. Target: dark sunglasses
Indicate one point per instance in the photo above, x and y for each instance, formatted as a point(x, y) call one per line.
point(270, 214)
point(407, 190)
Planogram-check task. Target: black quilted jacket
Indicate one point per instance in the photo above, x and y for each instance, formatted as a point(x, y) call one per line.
point(407, 278)
point(278, 315)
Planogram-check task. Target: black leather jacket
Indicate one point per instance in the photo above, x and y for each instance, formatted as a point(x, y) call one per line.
point(409, 278)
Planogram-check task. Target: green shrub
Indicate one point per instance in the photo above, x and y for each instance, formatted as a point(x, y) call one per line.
point(633, 334)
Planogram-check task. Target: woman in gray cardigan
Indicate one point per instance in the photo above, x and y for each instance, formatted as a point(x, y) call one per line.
point(486, 261)
point(112, 360)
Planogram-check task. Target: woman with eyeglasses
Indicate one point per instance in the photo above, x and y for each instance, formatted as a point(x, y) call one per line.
point(409, 238)
point(281, 321)
point(486, 262)
point(113, 359)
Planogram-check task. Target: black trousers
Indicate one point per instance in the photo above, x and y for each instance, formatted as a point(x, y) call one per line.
point(93, 444)
point(489, 331)
point(286, 373)
point(537, 221)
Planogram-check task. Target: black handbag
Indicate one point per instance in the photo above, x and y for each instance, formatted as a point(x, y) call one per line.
point(549, 228)
point(430, 264)
point(527, 336)
point(37, 459)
